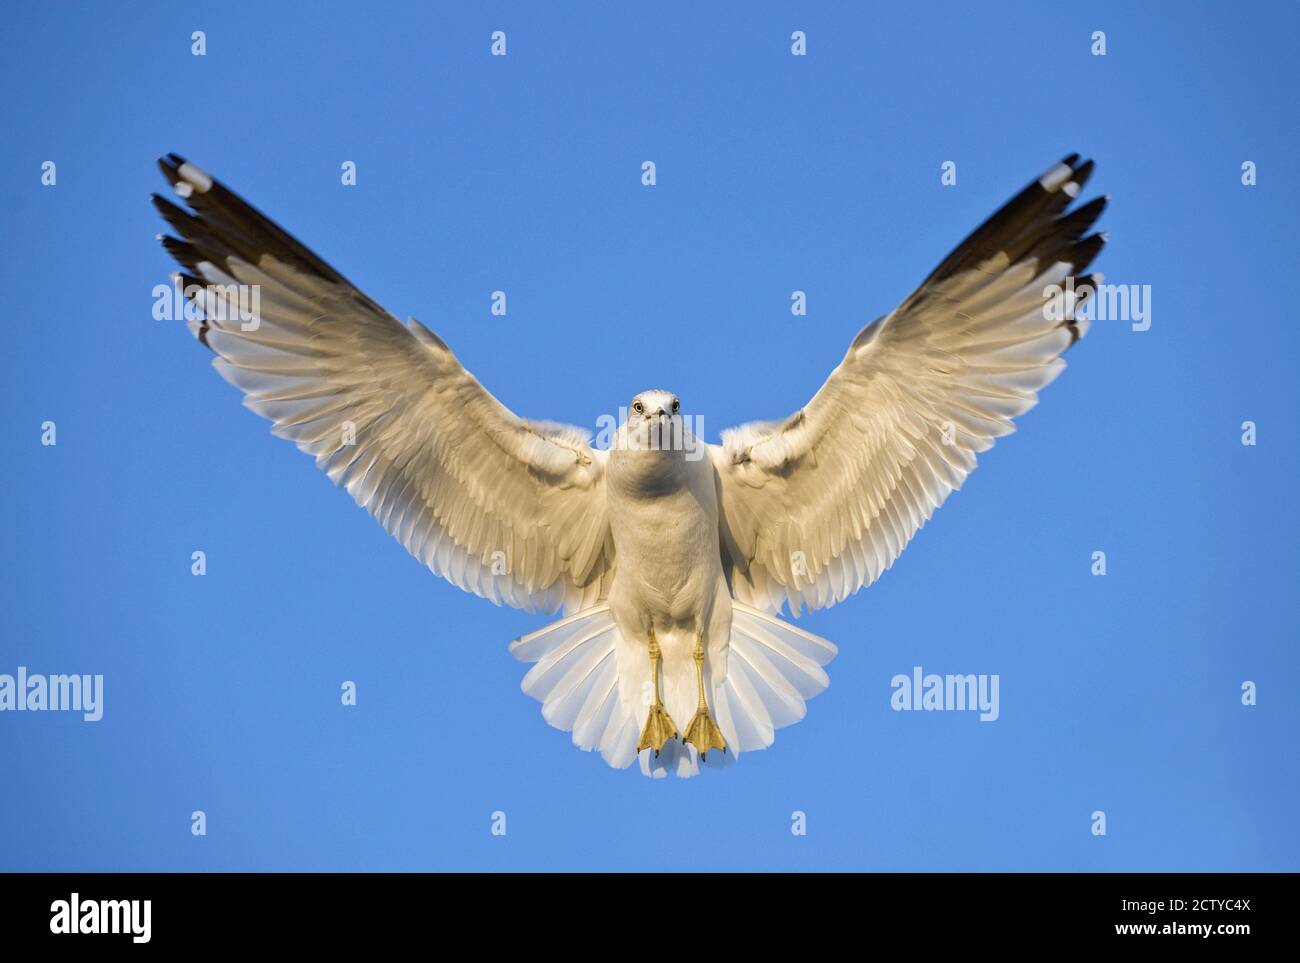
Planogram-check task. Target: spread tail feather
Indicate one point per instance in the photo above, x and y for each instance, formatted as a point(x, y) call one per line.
point(575, 678)
point(772, 669)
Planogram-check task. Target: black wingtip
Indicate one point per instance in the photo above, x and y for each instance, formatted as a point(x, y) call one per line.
point(1097, 204)
point(1086, 251)
point(170, 170)
point(1087, 284)
point(182, 251)
point(169, 211)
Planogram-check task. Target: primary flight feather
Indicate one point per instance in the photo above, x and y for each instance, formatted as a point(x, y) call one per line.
point(671, 558)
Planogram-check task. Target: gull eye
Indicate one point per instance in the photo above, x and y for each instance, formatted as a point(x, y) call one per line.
point(638, 407)
point(676, 405)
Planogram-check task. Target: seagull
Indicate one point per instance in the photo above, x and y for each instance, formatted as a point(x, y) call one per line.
point(672, 558)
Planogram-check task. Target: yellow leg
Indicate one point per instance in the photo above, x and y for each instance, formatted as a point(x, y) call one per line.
point(703, 733)
point(659, 726)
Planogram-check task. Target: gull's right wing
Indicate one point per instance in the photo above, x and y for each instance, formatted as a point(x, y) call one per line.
point(510, 509)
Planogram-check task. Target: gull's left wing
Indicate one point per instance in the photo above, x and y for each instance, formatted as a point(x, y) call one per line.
point(510, 509)
point(817, 506)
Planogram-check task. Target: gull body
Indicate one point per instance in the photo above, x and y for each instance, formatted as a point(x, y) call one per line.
point(663, 509)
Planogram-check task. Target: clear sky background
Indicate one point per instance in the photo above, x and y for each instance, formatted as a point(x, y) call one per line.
point(1119, 693)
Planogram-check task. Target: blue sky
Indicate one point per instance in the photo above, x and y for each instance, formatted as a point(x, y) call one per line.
point(1119, 693)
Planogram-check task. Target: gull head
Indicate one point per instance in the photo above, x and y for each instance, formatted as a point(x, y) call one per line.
point(652, 405)
point(654, 423)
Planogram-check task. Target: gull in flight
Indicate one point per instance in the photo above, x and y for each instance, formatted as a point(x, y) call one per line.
point(672, 559)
